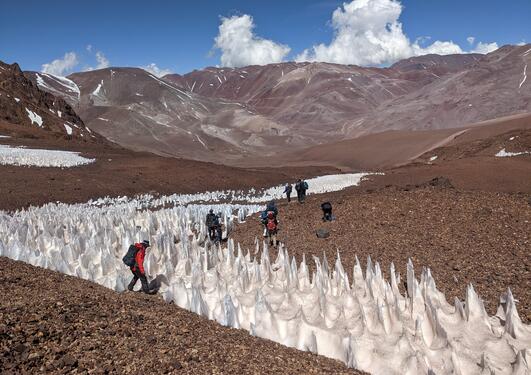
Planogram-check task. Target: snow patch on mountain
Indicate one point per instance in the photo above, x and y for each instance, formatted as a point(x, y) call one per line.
point(35, 118)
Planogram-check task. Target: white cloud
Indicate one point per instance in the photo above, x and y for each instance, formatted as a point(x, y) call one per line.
point(89, 47)
point(61, 67)
point(240, 46)
point(103, 62)
point(471, 40)
point(485, 47)
point(368, 32)
point(155, 70)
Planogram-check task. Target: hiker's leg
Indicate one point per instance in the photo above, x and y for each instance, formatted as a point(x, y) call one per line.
point(133, 281)
point(289, 198)
point(145, 284)
point(274, 239)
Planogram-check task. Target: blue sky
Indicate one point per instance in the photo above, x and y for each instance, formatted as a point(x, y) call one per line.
point(179, 36)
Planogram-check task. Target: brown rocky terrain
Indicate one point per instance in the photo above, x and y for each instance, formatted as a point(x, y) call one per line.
point(465, 237)
point(56, 324)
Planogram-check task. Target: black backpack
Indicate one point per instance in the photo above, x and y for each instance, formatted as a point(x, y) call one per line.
point(129, 257)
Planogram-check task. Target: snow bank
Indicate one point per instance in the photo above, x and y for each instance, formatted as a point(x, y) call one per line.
point(357, 317)
point(41, 158)
point(503, 154)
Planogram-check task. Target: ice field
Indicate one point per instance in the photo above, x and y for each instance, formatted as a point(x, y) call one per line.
point(41, 158)
point(355, 316)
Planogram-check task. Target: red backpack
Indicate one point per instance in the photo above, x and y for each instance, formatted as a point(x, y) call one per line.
point(271, 224)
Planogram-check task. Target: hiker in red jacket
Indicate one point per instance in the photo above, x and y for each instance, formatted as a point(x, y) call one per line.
point(138, 268)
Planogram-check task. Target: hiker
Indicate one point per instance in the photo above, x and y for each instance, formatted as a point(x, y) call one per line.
point(271, 207)
point(271, 226)
point(210, 223)
point(135, 260)
point(217, 228)
point(327, 211)
point(301, 186)
point(287, 191)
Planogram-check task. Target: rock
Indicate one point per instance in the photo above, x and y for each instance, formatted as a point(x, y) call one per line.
point(322, 233)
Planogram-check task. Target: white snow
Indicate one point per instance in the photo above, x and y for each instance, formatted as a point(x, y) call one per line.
point(433, 158)
point(503, 154)
point(103, 119)
point(357, 317)
point(211, 84)
point(219, 79)
point(193, 85)
point(170, 86)
point(68, 129)
point(512, 138)
point(201, 141)
point(525, 76)
point(41, 158)
point(97, 90)
point(242, 76)
point(138, 94)
point(17, 99)
point(51, 110)
point(34, 118)
point(527, 52)
point(5, 136)
point(59, 113)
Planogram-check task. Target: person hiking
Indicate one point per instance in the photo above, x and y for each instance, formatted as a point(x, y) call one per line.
point(210, 223)
point(217, 228)
point(327, 211)
point(135, 260)
point(271, 226)
point(287, 190)
point(271, 207)
point(301, 186)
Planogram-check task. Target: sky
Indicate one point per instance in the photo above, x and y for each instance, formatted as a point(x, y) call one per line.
point(60, 37)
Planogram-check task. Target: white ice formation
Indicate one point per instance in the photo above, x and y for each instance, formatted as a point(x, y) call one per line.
point(41, 158)
point(504, 154)
point(357, 317)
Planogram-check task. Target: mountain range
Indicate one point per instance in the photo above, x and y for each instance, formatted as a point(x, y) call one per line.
point(275, 113)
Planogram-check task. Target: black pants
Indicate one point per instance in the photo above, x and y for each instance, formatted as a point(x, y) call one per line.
point(289, 196)
point(301, 196)
point(138, 275)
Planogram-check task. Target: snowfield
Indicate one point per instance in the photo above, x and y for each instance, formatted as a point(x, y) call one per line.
point(41, 158)
point(357, 317)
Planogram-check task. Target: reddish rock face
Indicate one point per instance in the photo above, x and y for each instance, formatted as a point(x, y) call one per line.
point(23, 103)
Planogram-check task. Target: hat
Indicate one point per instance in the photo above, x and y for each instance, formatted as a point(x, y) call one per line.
point(145, 243)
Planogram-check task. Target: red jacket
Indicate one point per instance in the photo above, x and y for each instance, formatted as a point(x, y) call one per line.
point(139, 258)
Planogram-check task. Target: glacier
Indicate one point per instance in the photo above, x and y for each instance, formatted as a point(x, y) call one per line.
point(358, 316)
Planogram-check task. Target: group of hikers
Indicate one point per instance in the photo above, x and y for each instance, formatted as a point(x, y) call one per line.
point(136, 252)
point(300, 187)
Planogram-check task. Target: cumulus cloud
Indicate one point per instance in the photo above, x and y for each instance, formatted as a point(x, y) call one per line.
point(61, 67)
point(471, 40)
point(368, 32)
point(240, 46)
point(485, 47)
point(155, 70)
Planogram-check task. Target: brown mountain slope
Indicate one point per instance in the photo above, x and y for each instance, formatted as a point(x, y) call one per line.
point(24, 104)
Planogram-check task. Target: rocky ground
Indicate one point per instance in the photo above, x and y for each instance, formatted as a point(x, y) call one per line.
point(52, 323)
point(483, 238)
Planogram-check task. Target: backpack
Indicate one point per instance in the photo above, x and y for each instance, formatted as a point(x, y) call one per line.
point(271, 225)
point(129, 257)
point(305, 185)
